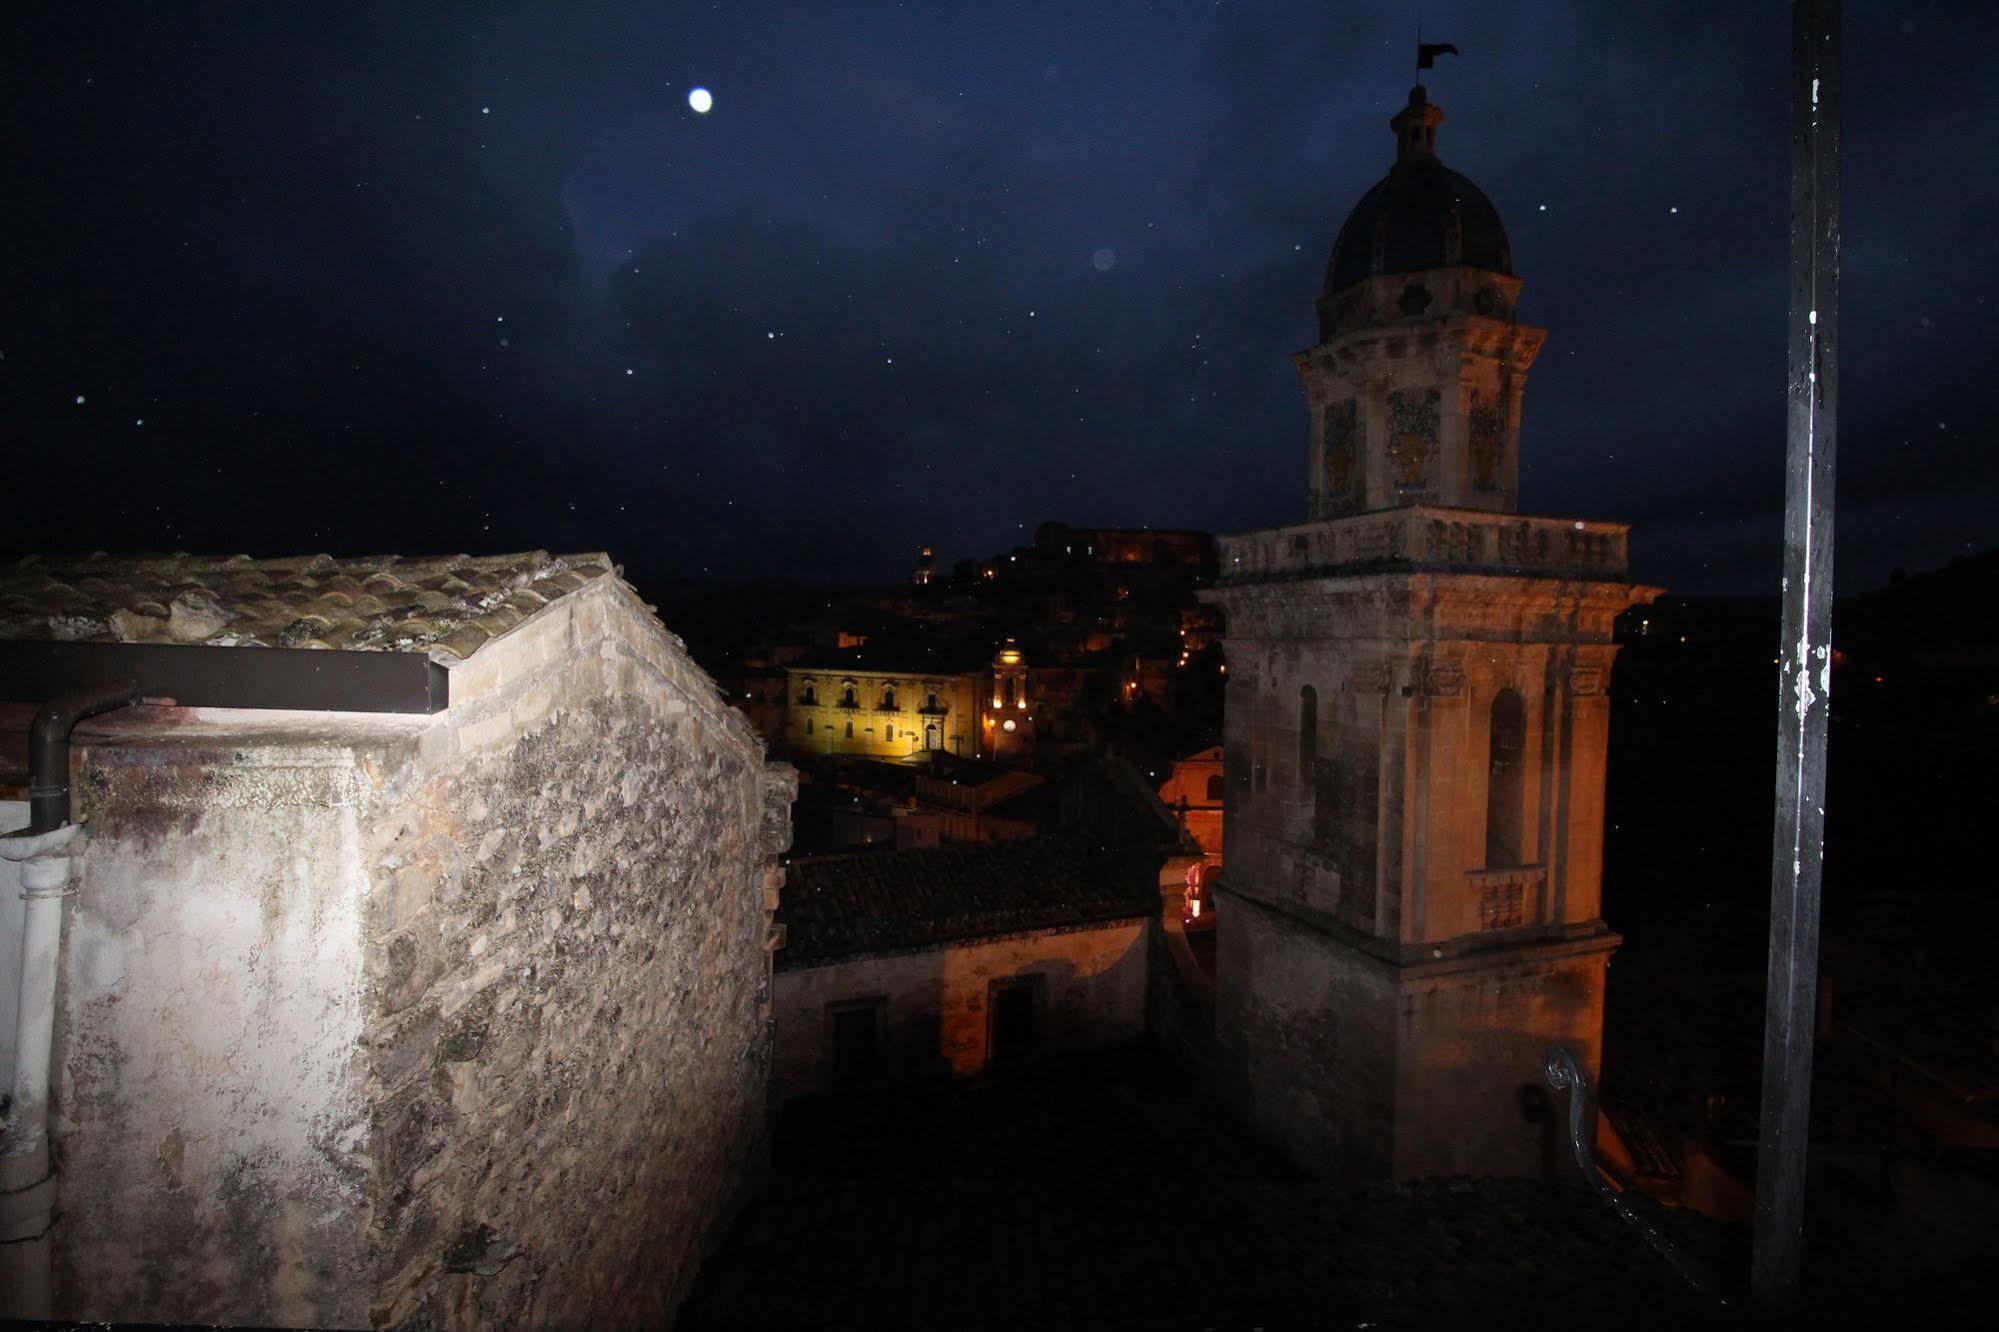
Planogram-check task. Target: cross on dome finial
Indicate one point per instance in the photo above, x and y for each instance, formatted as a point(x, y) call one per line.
point(1415, 126)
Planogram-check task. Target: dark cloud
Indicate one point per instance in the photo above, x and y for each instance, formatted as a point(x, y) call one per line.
point(374, 278)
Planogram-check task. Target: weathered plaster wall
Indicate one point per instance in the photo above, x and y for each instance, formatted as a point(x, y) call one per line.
point(568, 1040)
point(210, 1112)
point(440, 1022)
point(935, 1003)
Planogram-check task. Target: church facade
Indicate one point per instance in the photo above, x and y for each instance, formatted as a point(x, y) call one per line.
point(1416, 723)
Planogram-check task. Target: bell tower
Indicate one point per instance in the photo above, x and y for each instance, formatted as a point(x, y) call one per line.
point(1416, 380)
point(1416, 722)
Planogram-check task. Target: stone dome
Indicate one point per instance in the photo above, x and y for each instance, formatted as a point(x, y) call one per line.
point(1420, 215)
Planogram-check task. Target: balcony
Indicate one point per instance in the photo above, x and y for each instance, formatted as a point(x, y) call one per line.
point(1508, 898)
point(1424, 538)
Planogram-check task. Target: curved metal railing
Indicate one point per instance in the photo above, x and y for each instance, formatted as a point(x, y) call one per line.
point(1565, 1074)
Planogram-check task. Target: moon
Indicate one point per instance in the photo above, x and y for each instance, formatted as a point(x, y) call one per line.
point(701, 100)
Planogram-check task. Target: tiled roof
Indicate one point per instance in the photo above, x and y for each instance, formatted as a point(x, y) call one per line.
point(969, 772)
point(447, 606)
point(836, 907)
point(1111, 1190)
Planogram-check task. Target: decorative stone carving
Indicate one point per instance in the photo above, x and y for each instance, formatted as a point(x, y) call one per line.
point(1413, 422)
point(1586, 681)
point(1370, 679)
point(1443, 679)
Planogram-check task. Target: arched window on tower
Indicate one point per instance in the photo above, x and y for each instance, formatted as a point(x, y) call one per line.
point(1506, 783)
point(1308, 732)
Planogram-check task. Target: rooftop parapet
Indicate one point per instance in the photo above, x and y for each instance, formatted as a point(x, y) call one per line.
point(1426, 538)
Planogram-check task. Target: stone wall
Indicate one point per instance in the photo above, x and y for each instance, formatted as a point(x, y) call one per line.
point(1365, 1068)
point(1305, 1040)
point(568, 1040)
point(446, 1021)
point(1475, 1047)
point(934, 1003)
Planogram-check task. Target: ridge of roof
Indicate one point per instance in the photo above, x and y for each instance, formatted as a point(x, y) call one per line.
point(448, 606)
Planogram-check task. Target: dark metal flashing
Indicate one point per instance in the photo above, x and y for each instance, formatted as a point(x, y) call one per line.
point(293, 679)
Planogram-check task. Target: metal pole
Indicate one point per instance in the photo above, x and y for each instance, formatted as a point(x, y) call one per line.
point(1804, 687)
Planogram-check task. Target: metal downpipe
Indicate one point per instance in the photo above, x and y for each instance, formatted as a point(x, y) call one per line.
point(27, 1186)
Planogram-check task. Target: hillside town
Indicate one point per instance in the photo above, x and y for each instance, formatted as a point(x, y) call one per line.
point(1367, 915)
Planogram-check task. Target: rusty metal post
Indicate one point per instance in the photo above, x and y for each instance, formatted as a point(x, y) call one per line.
point(1804, 687)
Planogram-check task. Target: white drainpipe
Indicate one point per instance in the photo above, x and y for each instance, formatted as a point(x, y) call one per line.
point(27, 1186)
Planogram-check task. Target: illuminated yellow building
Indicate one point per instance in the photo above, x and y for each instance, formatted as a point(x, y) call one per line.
point(872, 713)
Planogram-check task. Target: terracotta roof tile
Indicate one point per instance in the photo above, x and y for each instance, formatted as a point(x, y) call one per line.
point(448, 606)
point(837, 907)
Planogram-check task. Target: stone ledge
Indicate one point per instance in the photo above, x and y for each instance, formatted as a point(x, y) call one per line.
point(1428, 537)
point(1488, 951)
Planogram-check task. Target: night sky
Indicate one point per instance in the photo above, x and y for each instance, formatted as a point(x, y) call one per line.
point(284, 278)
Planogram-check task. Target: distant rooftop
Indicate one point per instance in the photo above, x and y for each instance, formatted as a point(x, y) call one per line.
point(447, 606)
point(966, 771)
point(900, 656)
point(838, 907)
